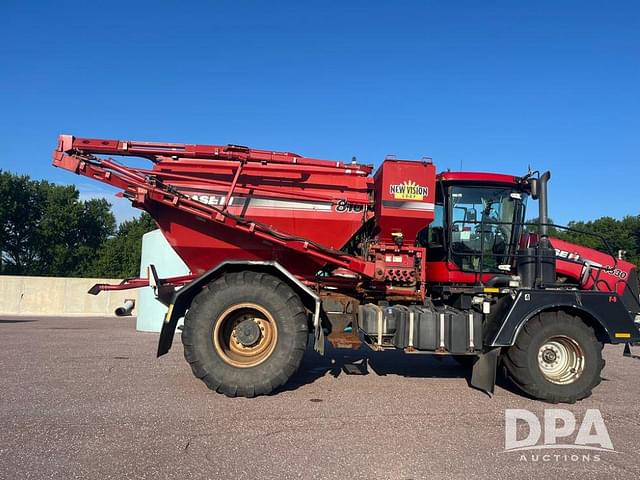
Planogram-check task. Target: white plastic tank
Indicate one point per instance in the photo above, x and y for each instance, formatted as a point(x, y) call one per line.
point(157, 251)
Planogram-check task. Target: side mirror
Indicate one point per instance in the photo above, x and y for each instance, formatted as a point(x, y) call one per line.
point(533, 188)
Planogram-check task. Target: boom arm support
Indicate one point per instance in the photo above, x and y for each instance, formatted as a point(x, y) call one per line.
point(156, 151)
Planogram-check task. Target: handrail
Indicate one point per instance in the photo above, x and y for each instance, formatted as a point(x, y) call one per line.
point(157, 151)
point(514, 255)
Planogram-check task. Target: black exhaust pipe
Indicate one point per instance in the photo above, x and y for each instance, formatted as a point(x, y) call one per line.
point(537, 264)
point(543, 206)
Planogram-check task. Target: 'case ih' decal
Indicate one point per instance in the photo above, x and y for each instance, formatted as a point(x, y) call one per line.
point(569, 255)
point(408, 190)
point(575, 257)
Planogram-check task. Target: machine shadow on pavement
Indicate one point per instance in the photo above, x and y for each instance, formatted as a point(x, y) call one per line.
point(337, 362)
point(16, 320)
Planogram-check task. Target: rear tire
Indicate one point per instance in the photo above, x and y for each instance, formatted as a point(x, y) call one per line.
point(556, 358)
point(245, 334)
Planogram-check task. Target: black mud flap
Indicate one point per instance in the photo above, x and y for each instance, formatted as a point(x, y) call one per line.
point(318, 336)
point(166, 336)
point(483, 375)
point(628, 353)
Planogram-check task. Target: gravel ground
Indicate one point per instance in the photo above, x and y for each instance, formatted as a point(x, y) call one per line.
point(86, 398)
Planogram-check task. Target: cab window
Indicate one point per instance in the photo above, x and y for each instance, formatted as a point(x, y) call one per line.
point(481, 226)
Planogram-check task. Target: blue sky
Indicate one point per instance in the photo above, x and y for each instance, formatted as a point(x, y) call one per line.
point(488, 86)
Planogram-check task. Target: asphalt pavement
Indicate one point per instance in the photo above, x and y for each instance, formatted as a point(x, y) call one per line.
point(86, 398)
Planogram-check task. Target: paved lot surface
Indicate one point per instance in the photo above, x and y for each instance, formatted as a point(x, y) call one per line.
point(86, 398)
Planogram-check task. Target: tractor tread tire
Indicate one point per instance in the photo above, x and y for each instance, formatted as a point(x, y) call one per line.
point(521, 360)
point(272, 294)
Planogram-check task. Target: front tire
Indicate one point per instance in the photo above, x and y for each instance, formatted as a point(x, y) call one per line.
point(556, 358)
point(245, 334)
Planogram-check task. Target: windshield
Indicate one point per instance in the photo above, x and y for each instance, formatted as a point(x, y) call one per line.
point(482, 226)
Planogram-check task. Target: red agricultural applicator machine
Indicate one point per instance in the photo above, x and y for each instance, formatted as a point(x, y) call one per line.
point(280, 246)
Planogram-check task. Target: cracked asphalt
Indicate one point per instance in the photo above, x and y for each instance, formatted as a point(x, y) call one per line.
point(86, 398)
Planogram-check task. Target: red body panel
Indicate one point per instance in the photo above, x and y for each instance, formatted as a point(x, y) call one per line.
point(481, 177)
point(327, 208)
point(204, 245)
point(449, 272)
point(405, 196)
point(607, 273)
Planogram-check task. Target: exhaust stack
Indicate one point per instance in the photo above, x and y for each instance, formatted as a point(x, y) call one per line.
point(543, 206)
point(537, 264)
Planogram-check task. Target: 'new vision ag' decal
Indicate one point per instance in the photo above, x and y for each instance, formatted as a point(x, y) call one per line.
point(408, 190)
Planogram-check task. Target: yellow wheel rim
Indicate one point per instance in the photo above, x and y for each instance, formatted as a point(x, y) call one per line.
point(232, 347)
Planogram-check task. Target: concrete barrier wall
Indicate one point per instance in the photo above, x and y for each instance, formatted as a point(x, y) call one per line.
point(58, 296)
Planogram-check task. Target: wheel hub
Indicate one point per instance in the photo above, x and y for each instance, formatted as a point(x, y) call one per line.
point(245, 335)
point(561, 360)
point(549, 356)
point(247, 332)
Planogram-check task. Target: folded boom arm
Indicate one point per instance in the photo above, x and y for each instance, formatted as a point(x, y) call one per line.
point(141, 187)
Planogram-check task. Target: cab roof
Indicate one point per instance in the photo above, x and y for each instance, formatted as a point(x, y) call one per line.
point(483, 177)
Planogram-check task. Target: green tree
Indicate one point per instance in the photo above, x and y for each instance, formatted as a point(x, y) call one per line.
point(21, 207)
point(119, 256)
point(45, 229)
point(608, 235)
point(531, 226)
point(72, 231)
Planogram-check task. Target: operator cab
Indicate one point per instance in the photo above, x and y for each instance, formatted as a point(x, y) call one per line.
point(477, 226)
